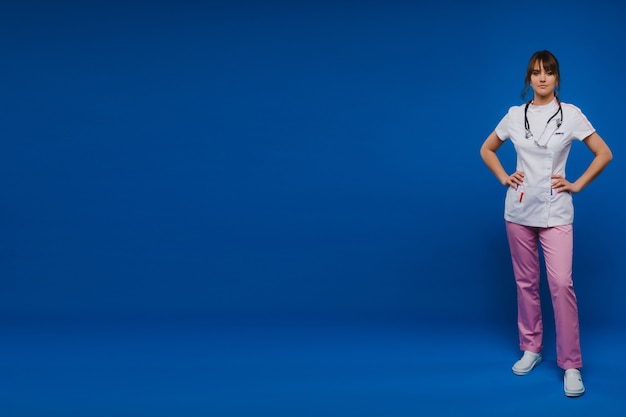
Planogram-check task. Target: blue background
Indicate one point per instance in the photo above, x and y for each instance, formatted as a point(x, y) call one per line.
point(221, 163)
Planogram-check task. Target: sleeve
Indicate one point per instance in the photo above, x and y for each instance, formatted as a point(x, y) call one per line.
point(581, 127)
point(503, 128)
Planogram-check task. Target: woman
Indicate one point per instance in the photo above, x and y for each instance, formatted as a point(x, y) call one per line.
point(539, 210)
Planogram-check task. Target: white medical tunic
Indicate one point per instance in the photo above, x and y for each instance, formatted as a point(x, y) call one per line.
point(534, 203)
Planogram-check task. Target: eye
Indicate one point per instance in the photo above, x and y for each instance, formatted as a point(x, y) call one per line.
point(535, 72)
point(550, 73)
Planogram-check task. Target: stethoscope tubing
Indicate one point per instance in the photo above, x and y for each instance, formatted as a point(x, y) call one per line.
point(559, 122)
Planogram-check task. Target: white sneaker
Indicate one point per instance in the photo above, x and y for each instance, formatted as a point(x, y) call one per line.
point(526, 364)
point(573, 383)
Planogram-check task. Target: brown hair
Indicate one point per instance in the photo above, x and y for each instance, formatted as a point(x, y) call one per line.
point(549, 63)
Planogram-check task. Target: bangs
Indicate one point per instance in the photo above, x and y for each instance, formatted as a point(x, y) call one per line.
point(548, 63)
point(546, 60)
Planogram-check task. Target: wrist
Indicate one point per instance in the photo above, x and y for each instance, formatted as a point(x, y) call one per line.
point(577, 187)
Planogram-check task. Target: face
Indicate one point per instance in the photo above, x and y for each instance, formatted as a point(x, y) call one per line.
point(543, 83)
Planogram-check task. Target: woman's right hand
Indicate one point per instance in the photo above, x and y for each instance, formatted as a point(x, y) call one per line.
point(514, 180)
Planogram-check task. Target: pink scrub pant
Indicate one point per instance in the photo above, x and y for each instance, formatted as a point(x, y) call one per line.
point(557, 244)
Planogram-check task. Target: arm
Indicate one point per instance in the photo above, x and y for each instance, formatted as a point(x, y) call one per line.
point(603, 156)
point(488, 153)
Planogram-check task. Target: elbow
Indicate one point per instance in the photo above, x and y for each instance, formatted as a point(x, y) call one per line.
point(607, 156)
point(483, 152)
point(604, 155)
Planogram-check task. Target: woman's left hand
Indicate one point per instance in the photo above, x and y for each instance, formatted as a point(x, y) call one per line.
point(560, 184)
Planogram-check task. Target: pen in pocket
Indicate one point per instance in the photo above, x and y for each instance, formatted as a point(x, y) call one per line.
point(521, 194)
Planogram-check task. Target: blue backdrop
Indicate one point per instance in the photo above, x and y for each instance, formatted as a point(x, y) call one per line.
point(307, 159)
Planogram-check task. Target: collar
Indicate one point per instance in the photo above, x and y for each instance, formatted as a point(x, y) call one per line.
point(550, 107)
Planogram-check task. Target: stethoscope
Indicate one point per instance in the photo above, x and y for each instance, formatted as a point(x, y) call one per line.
point(559, 121)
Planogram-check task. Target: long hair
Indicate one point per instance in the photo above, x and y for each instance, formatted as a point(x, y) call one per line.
point(549, 63)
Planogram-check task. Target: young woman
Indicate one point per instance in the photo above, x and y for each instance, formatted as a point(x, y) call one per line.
point(539, 210)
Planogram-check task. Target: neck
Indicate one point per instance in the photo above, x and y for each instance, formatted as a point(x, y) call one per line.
point(542, 100)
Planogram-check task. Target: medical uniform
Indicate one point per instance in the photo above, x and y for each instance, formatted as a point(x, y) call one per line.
point(535, 213)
